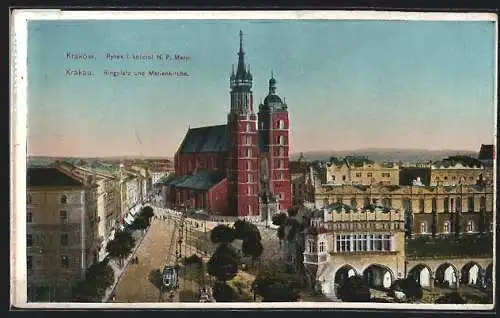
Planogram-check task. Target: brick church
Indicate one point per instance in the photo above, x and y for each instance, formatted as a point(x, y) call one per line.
point(240, 168)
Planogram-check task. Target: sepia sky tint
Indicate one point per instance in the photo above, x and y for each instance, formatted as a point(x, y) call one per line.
point(348, 84)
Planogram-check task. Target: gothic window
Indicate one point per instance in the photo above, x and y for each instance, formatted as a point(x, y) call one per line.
point(446, 227)
point(281, 140)
point(470, 204)
point(470, 226)
point(249, 152)
point(282, 164)
point(249, 165)
point(250, 180)
point(63, 199)
point(321, 247)
point(281, 151)
point(249, 190)
point(282, 176)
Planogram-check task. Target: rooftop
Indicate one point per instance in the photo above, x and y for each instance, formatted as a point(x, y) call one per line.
point(487, 152)
point(452, 161)
point(50, 177)
point(205, 139)
point(203, 180)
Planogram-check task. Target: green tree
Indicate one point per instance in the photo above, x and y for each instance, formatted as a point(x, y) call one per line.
point(121, 246)
point(279, 219)
point(223, 292)
point(409, 286)
point(141, 223)
point(224, 263)
point(244, 230)
point(354, 289)
point(147, 212)
point(222, 234)
point(252, 248)
point(273, 284)
point(101, 275)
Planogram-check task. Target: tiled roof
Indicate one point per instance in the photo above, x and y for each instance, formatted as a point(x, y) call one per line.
point(205, 139)
point(486, 152)
point(203, 180)
point(49, 177)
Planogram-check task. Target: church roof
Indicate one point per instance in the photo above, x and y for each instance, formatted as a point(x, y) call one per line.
point(203, 180)
point(205, 139)
point(486, 152)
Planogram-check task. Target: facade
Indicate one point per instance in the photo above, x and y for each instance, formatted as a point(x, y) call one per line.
point(226, 169)
point(62, 232)
point(355, 171)
point(433, 209)
point(342, 243)
point(458, 170)
point(301, 189)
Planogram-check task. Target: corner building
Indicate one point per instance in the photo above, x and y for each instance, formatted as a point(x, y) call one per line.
point(226, 169)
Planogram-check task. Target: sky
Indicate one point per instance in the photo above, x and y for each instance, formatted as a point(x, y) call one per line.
point(348, 84)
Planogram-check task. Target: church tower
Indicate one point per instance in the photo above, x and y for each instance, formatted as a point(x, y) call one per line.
point(242, 165)
point(274, 135)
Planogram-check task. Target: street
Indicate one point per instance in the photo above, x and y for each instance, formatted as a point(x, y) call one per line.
point(142, 281)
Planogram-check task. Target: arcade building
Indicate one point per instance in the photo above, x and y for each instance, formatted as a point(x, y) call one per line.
point(241, 168)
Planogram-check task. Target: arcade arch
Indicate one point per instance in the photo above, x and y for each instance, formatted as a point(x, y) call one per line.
point(446, 275)
point(471, 273)
point(344, 273)
point(378, 276)
point(422, 274)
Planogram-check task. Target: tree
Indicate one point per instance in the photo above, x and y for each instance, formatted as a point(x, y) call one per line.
point(193, 259)
point(223, 292)
point(451, 298)
point(101, 275)
point(84, 292)
point(141, 223)
point(147, 212)
point(354, 289)
point(279, 219)
point(244, 230)
point(224, 263)
point(276, 285)
point(409, 286)
point(222, 234)
point(252, 248)
point(121, 246)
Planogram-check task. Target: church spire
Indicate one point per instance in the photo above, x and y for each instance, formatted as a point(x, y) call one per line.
point(240, 71)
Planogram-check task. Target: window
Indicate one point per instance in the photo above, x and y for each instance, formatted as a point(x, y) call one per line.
point(281, 124)
point(386, 174)
point(281, 140)
point(282, 164)
point(63, 215)
point(29, 240)
point(29, 216)
point(470, 226)
point(434, 205)
point(64, 261)
point(343, 178)
point(321, 247)
point(282, 176)
point(249, 190)
point(281, 151)
point(311, 246)
point(491, 226)
point(369, 174)
point(248, 127)
point(421, 205)
point(423, 227)
point(28, 199)
point(249, 165)
point(249, 152)
point(249, 178)
point(358, 174)
point(64, 199)
point(249, 210)
point(29, 261)
point(446, 227)
point(64, 239)
point(363, 243)
point(470, 204)
point(452, 205)
point(446, 205)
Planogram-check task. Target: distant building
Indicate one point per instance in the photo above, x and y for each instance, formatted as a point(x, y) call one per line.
point(300, 188)
point(62, 232)
point(353, 170)
point(457, 170)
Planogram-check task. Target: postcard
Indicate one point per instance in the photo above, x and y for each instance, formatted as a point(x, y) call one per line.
point(253, 159)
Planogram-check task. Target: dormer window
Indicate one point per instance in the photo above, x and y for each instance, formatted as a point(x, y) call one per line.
point(63, 199)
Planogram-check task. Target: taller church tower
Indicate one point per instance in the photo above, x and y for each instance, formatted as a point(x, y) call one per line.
point(242, 165)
